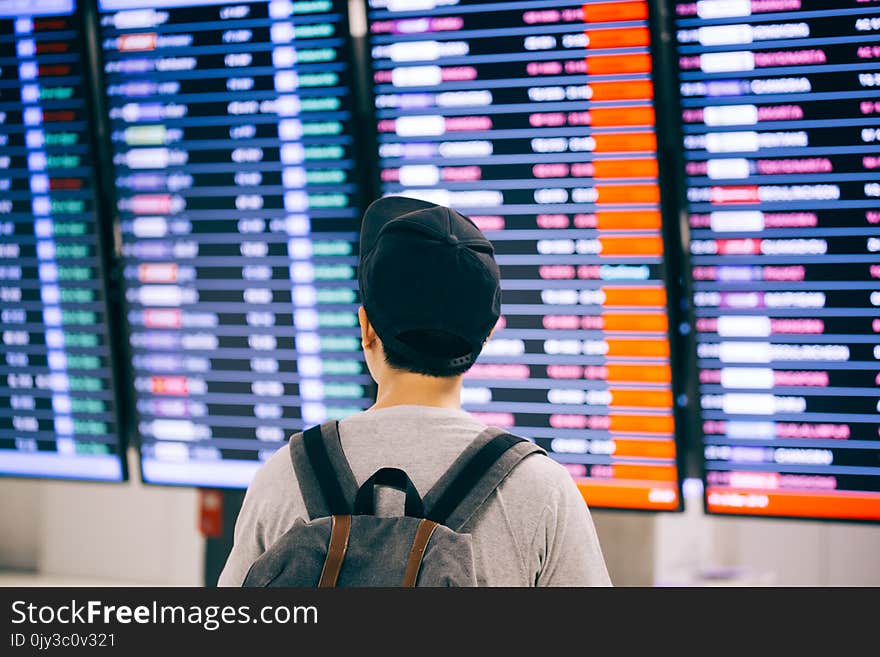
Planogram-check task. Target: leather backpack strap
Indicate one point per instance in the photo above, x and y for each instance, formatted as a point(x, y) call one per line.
point(420, 544)
point(339, 533)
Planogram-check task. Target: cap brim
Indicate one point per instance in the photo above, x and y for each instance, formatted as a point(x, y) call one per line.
point(383, 211)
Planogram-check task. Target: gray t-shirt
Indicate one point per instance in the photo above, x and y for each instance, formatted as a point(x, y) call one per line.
point(535, 530)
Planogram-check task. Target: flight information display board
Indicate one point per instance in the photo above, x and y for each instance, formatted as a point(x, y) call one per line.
point(57, 402)
point(781, 138)
point(536, 120)
point(239, 209)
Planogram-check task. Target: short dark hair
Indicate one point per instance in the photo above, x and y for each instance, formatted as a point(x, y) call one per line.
point(430, 342)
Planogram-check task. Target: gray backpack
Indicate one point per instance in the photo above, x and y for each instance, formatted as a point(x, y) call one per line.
point(345, 544)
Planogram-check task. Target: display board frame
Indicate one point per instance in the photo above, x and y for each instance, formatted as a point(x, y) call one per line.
point(671, 227)
point(695, 439)
point(360, 179)
point(103, 257)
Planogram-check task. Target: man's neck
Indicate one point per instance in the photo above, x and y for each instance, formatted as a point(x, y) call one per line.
point(419, 390)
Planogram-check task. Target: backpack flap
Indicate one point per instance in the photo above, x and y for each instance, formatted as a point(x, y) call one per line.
point(295, 559)
point(400, 551)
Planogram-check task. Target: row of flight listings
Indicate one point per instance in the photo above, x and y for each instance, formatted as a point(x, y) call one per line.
point(235, 156)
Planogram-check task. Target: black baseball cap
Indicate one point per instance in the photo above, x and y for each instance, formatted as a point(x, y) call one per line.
point(427, 267)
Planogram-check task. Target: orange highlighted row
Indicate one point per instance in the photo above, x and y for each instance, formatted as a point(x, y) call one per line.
point(629, 90)
point(607, 12)
point(635, 322)
point(628, 496)
point(637, 348)
point(849, 504)
point(618, 64)
point(634, 296)
point(644, 472)
point(625, 142)
point(641, 398)
point(662, 424)
point(628, 219)
point(620, 37)
point(640, 168)
point(638, 374)
point(651, 449)
point(626, 194)
point(648, 245)
point(604, 117)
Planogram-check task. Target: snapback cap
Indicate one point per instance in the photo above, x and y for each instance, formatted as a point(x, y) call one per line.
point(427, 267)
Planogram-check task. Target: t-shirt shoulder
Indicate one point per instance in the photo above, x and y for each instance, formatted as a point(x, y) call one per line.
point(277, 469)
point(542, 473)
point(274, 497)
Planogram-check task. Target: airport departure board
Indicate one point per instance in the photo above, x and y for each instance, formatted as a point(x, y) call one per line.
point(536, 119)
point(239, 207)
point(781, 112)
point(57, 402)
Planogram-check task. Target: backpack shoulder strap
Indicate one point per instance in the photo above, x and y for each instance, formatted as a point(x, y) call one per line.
point(474, 475)
point(324, 475)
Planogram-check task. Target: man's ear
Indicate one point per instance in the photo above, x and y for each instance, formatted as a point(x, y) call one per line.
point(368, 333)
point(491, 333)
